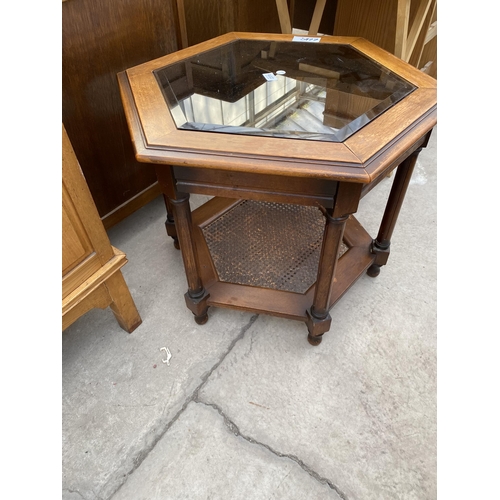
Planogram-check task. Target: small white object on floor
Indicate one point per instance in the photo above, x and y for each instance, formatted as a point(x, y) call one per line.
point(168, 353)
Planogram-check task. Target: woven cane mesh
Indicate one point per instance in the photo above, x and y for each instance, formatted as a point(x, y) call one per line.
point(266, 244)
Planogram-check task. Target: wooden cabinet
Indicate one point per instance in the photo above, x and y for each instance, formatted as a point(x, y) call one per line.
point(91, 275)
point(99, 39)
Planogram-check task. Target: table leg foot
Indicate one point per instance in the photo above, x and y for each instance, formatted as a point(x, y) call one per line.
point(317, 327)
point(315, 340)
point(202, 319)
point(373, 271)
point(198, 305)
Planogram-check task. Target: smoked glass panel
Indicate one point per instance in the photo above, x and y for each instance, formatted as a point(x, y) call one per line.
point(299, 90)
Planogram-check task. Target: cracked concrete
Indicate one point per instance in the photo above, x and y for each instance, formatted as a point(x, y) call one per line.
point(234, 429)
point(193, 397)
point(247, 408)
point(203, 457)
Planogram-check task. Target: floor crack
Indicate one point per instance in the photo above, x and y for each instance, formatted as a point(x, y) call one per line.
point(73, 491)
point(205, 377)
point(193, 397)
point(233, 428)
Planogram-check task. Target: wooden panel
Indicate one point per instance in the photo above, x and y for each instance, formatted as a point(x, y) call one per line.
point(211, 18)
point(258, 16)
point(76, 243)
point(86, 287)
point(73, 278)
point(206, 20)
point(82, 230)
point(244, 185)
point(131, 206)
point(260, 300)
point(99, 39)
point(98, 299)
point(78, 201)
point(385, 129)
point(375, 21)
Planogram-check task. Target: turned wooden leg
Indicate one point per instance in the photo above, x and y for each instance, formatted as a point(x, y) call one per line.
point(318, 318)
point(122, 304)
point(381, 245)
point(196, 296)
point(169, 223)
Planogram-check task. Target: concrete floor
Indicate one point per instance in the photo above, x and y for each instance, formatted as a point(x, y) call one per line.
point(247, 409)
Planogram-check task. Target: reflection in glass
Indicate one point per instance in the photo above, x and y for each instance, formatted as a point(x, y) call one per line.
point(299, 90)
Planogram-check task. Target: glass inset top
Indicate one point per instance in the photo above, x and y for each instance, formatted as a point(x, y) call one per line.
point(299, 90)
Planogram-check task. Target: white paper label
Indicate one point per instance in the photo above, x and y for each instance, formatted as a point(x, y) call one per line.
point(313, 39)
point(270, 77)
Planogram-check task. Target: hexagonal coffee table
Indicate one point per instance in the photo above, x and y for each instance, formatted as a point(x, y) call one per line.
point(287, 134)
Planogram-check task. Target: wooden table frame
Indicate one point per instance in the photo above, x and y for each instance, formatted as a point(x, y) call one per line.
point(332, 176)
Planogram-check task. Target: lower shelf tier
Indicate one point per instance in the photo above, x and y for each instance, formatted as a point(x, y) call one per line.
point(263, 256)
